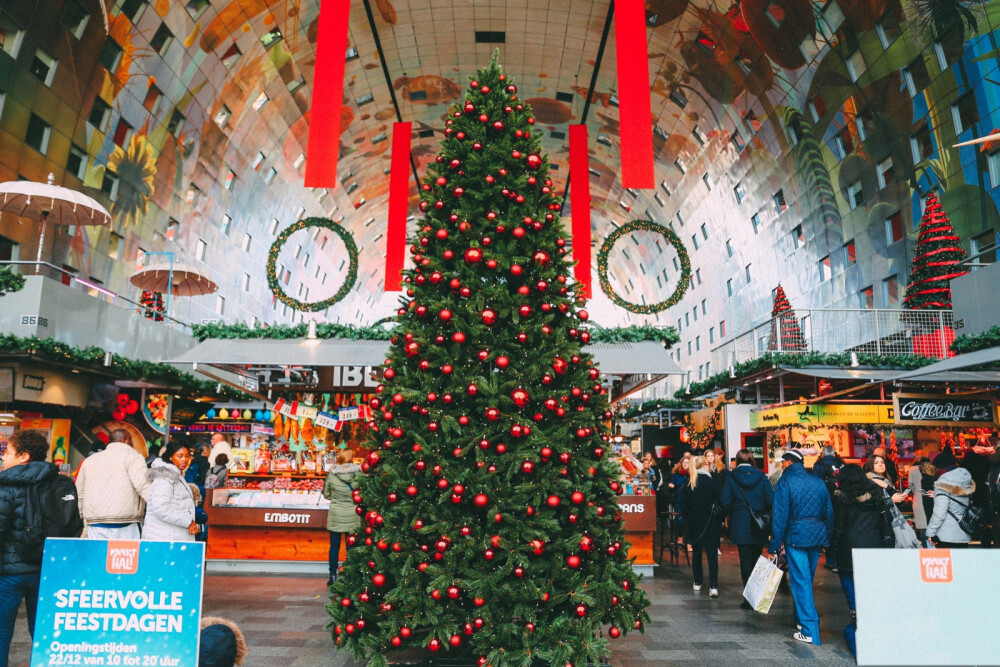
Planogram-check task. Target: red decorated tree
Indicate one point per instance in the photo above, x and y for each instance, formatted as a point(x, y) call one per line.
point(936, 261)
point(786, 335)
point(489, 519)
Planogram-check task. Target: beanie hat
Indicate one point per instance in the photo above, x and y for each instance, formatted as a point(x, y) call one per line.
point(792, 455)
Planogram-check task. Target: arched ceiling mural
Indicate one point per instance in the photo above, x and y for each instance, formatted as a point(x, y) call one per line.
point(789, 136)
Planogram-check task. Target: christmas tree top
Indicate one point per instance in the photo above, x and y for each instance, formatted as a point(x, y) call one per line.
point(936, 261)
point(786, 335)
point(489, 516)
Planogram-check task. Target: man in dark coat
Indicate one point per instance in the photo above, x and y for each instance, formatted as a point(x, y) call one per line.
point(827, 467)
point(23, 466)
point(746, 487)
point(803, 522)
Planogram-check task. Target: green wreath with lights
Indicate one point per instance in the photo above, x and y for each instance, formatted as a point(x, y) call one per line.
point(352, 267)
point(672, 239)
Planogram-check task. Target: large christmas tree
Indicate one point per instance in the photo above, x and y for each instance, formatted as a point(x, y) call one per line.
point(786, 334)
point(488, 505)
point(935, 262)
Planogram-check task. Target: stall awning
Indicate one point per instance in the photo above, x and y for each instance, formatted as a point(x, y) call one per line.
point(645, 357)
point(885, 375)
point(978, 358)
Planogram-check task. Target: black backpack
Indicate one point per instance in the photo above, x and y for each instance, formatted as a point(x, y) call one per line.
point(51, 509)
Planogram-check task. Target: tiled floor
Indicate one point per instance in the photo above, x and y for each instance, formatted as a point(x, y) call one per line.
point(284, 618)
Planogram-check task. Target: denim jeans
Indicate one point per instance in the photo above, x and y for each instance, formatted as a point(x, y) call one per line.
point(13, 589)
point(847, 583)
point(801, 571)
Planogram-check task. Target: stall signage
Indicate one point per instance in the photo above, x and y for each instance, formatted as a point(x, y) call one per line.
point(213, 428)
point(306, 412)
point(944, 410)
point(349, 379)
point(832, 414)
point(326, 420)
point(347, 414)
point(638, 513)
point(261, 429)
point(106, 602)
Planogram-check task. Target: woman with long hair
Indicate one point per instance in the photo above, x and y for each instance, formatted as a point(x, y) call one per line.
point(341, 517)
point(746, 489)
point(702, 512)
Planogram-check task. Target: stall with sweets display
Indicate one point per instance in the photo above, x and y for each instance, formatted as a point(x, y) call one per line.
point(637, 503)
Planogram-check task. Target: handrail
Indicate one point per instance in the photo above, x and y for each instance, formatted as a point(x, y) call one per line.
point(87, 285)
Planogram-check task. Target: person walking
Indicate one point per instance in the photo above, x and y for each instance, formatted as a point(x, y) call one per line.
point(218, 474)
point(220, 445)
point(341, 517)
point(170, 513)
point(952, 496)
point(827, 468)
point(113, 490)
point(915, 485)
point(747, 488)
point(857, 524)
point(23, 467)
point(702, 516)
point(802, 520)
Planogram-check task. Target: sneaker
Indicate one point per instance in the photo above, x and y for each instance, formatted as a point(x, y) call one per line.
point(799, 637)
point(713, 592)
point(697, 587)
point(720, 552)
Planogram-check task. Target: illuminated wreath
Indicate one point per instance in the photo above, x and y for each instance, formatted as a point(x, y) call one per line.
point(352, 267)
point(672, 239)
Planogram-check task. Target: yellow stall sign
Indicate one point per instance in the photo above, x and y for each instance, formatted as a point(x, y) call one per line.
point(827, 415)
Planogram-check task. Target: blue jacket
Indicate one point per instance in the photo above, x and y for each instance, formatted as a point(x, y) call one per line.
point(803, 513)
point(746, 487)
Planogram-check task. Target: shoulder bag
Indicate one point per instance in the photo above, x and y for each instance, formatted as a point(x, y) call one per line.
point(761, 518)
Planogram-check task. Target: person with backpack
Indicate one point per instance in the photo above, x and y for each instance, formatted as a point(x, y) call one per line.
point(113, 490)
point(218, 474)
point(952, 498)
point(35, 502)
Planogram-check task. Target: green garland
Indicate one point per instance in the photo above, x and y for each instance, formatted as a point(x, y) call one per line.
point(352, 269)
point(635, 226)
point(122, 367)
point(10, 281)
point(668, 336)
point(841, 360)
point(964, 344)
point(661, 403)
point(241, 331)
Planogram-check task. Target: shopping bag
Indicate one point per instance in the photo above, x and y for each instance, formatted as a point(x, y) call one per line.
point(763, 585)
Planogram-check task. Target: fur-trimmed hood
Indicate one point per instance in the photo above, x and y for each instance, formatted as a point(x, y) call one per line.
point(842, 498)
point(163, 470)
point(957, 482)
point(218, 647)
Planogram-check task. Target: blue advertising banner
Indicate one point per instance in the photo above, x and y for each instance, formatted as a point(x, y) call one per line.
point(119, 603)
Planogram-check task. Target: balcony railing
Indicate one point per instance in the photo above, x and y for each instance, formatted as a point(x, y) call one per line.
point(833, 331)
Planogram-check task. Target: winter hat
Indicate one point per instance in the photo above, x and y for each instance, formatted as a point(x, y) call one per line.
point(793, 455)
point(945, 460)
point(222, 643)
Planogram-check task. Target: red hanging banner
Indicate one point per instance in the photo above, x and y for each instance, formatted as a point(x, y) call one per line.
point(579, 194)
point(327, 95)
point(633, 95)
point(399, 192)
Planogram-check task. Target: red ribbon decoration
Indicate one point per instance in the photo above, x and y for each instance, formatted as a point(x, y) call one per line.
point(399, 193)
point(327, 93)
point(579, 193)
point(633, 95)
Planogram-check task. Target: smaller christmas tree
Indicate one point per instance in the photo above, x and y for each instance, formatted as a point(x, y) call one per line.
point(936, 261)
point(786, 335)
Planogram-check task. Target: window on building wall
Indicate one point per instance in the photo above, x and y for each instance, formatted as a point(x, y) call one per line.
point(866, 298)
point(162, 39)
point(864, 120)
point(193, 194)
point(247, 242)
point(200, 250)
point(687, 319)
point(697, 343)
point(816, 108)
point(694, 242)
point(123, 132)
point(993, 164)
point(722, 329)
point(677, 265)
point(196, 7)
point(677, 97)
point(230, 181)
point(220, 305)
point(273, 231)
point(680, 325)
point(694, 313)
point(729, 247)
point(257, 161)
point(38, 134)
point(271, 37)
point(269, 176)
point(740, 194)
point(154, 96)
point(227, 223)
point(665, 188)
point(747, 271)
point(824, 269)
point(855, 195)
point(704, 307)
point(222, 116)
point(941, 55)
point(729, 287)
point(261, 100)
point(704, 179)
point(737, 142)
point(850, 254)
point(109, 184)
point(704, 231)
point(984, 247)
point(887, 29)
point(711, 335)
point(915, 76)
point(856, 66)
point(798, 239)
point(921, 144)
point(697, 276)
point(74, 17)
point(110, 55)
point(43, 65)
point(690, 352)
point(755, 221)
point(809, 48)
point(116, 243)
point(11, 35)
point(76, 164)
point(883, 172)
point(890, 291)
point(681, 167)
point(779, 201)
point(176, 123)
point(894, 228)
point(246, 282)
point(775, 13)
point(231, 55)
point(173, 227)
point(964, 112)
point(843, 145)
point(133, 9)
point(680, 219)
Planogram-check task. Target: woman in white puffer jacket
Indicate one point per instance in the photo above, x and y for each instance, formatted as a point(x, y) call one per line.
point(170, 509)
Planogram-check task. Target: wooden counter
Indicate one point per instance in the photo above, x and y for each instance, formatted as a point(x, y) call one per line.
point(639, 516)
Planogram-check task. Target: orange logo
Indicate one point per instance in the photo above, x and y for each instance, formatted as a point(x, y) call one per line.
point(123, 557)
point(935, 566)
